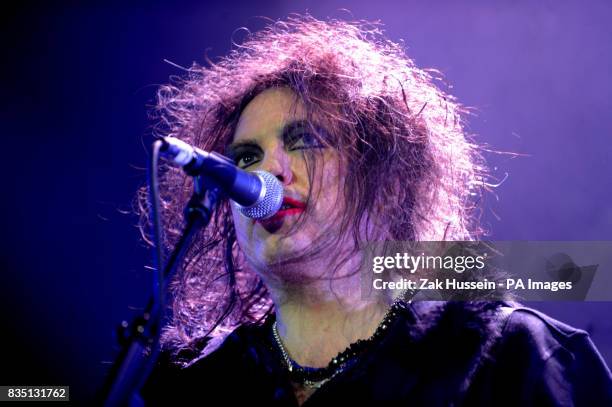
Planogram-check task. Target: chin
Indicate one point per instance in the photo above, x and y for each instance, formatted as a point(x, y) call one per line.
point(275, 249)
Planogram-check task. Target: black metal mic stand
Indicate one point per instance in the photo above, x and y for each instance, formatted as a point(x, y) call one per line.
point(140, 340)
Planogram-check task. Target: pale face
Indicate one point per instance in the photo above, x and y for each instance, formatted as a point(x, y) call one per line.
point(271, 136)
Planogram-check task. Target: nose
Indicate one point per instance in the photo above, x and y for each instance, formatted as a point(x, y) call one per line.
point(278, 163)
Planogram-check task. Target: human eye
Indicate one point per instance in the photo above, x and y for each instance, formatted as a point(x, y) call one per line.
point(245, 156)
point(304, 141)
point(245, 160)
point(301, 138)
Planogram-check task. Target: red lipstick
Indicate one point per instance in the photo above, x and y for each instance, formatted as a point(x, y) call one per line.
point(290, 206)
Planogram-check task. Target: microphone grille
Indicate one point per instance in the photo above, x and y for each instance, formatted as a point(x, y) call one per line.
point(271, 200)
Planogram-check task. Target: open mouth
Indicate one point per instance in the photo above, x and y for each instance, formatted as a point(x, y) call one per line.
point(289, 204)
point(289, 207)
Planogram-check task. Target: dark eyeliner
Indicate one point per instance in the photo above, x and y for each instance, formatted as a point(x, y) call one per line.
point(237, 152)
point(297, 131)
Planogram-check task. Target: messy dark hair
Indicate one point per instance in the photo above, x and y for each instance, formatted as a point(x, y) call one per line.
point(410, 161)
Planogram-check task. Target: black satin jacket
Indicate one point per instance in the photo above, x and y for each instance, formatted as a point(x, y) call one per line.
point(434, 354)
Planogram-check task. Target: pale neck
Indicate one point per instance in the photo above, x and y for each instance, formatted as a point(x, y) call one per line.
point(313, 332)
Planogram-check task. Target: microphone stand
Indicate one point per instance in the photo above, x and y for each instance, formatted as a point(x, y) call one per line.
point(140, 340)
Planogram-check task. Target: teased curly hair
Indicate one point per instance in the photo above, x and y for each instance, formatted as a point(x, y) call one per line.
point(410, 161)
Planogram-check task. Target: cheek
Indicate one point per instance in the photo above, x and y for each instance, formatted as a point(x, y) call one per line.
point(330, 189)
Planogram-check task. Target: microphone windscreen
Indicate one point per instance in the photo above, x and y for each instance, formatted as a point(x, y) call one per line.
point(271, 199)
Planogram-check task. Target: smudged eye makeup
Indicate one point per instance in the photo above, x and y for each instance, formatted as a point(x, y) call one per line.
point(245, 154)
point(296, 136)
point(300, 136)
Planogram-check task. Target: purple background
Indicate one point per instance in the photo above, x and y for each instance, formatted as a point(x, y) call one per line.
point(75, 83)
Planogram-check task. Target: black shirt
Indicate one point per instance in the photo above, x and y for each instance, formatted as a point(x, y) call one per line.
point(434, 354)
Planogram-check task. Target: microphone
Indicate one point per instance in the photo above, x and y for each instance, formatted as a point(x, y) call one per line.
point(258, 194)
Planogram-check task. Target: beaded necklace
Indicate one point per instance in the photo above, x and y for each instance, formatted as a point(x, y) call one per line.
point(313, 377)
